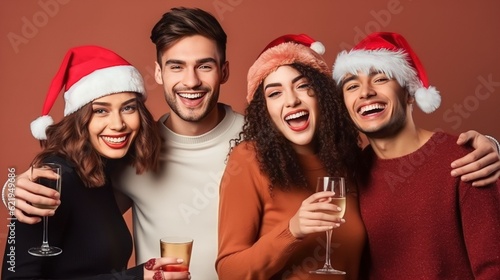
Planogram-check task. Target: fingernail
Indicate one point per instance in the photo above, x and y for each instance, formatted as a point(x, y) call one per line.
point(339, 209)
point(180, 260)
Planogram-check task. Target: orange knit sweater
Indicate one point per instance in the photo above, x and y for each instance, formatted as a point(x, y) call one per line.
point(254, 240)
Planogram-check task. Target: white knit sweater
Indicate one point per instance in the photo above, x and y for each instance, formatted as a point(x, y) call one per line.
point(184, 199)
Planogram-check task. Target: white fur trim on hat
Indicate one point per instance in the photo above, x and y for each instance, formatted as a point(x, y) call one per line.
point(39, 126)
point(102, 82)
point(392, 63)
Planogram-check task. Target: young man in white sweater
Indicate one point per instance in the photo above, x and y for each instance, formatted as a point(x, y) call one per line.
point(183, 198)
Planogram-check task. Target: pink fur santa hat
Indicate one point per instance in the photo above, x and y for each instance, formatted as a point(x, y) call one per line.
point(286, 50)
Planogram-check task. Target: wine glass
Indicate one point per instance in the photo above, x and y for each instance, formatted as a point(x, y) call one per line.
point(337, 186)
point(36, 171)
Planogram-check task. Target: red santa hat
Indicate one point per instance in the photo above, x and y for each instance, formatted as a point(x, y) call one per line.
point(87, 73)
point(286, 50)
point(390, 53)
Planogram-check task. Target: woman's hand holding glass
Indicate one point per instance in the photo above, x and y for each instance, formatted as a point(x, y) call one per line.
point(336, 185)
point(49, 175)
point(28, 193)
point(153, 269)
point(316, 214)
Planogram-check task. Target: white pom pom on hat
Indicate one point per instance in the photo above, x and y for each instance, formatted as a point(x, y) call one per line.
point(428, 99)
point(39, 126)
point(285, 50)
point(87, 73)
point(390, 53)
point(318, 47)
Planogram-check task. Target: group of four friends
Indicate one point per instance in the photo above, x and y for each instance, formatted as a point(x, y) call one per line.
point(244, 186)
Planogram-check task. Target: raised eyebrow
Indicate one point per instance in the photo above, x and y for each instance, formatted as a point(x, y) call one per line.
point(101, 103)
point(294, 80)
point(374, 72)
point(272, 85)
point(206, 60)
point(199, 61)
point(131, 100)
point(348, 79)
point(174, 61)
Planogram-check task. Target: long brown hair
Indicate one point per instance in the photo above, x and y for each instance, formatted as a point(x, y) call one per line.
point(70, 139)
point(336, 140)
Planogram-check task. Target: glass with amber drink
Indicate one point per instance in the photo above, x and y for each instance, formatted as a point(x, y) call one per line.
point(176, 247)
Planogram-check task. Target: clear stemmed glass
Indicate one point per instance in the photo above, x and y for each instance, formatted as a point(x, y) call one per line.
point(336, 185)
point(45, 250)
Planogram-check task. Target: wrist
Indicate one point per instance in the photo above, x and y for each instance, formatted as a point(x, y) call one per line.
point(495, 141)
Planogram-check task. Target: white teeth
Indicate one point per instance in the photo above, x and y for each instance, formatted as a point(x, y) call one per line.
point(191, 95)
point(370, 107)
point(114, 139)
point(295, 116)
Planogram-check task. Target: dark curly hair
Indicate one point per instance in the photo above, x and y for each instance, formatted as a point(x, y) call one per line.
point(336, 141)
point(69, 139)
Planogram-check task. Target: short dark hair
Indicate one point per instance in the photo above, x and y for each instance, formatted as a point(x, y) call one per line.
point(182, 22)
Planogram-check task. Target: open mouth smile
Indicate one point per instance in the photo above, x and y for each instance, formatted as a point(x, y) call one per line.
point(297, 121)
point(116, 142)
point(370, 109)
point(192, 96)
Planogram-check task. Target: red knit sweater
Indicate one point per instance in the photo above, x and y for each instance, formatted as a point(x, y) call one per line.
point(424, 224)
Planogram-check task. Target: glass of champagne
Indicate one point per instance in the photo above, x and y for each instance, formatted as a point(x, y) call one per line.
point(45, 250)
point(337, 186)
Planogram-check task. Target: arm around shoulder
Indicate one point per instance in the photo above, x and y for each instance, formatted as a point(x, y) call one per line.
point(482, 165)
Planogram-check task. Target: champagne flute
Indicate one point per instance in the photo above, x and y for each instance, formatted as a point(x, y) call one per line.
point(337, 186)
point(45, 250)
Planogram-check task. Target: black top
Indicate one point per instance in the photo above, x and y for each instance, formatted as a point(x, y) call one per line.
point(87, 226)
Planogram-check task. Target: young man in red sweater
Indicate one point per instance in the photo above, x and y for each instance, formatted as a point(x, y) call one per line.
point(421, 222)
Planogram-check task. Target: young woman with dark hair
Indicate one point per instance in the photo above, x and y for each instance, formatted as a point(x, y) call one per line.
point(296, 130)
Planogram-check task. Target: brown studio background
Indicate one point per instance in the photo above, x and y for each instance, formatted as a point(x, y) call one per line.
point(457, 42)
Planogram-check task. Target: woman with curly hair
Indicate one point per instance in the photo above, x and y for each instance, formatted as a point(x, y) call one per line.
point(106, 122)
point(296, 130)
